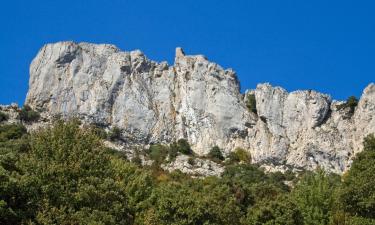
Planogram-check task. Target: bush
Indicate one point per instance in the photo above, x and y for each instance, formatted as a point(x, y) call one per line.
point(240, 155)
point(136, 159)
point(350, 103)
point(3, 117)
point(280, 211)
point(172, 153)
point(99, 131)
point(314, 196)
point(357, 194)
point(12, 131)
point(182, 145)
point(158, 153)
point(251, 103)
point(27, 114)
point(114, 134)
point(215, 153)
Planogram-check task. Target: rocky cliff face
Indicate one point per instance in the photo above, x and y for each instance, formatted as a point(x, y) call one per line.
point(197, 100)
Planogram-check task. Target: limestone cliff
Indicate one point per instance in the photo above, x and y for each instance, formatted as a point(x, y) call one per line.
point(197, 100)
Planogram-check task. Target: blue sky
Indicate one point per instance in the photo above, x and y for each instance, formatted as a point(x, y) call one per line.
point(328, 46)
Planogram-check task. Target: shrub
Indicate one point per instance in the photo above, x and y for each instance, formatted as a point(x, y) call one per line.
point(3, 117)
point(114, 134)
point(27, 114)
point(251, 103)
point(182, 145)
point(358, 188)
point(350, 103)
point(172, 153)
point(158, 153)
point(12, 131)
point(136, 159)
point(240, 155)
point(215, 153)
point(99, 131)
point(314, 196)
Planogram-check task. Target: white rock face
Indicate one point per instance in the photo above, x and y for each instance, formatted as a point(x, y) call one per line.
point(197, 100)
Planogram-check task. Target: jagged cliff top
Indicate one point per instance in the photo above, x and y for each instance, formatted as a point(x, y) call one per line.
point(197, 100)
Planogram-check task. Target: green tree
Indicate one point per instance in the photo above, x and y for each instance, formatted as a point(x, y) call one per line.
point(158, 153)
point(72, 178)
point(193, 202)
point(351, 103)
point(281, 211)
point(357, 195)
point(114, 134)
point(215, 154)
point(182, 145)
point(240, 155)
point(27, 114)
point(3, 117)
point(314, 195)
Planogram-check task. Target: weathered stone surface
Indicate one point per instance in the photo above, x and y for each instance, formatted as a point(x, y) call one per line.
point(197, 100)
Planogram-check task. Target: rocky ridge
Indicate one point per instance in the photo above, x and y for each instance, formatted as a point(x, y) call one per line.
point(197, 100)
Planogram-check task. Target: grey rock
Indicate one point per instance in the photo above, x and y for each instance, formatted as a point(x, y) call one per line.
point(197, 100)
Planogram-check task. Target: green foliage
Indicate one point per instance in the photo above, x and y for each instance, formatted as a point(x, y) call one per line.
point(64, 175)
point(192, 202)
point(11, 131)
point(251, 103)
point(114, 134)
point(215, 154)
point(240, 155)
point(137, 159)
point(27, 114)
point(350, 103)
point(158, 153)
point(280, 211)
point(314, 196)
point(3, 117)
point(182, 146)
point(99, 131)
point(357, 195)
point(172, 152)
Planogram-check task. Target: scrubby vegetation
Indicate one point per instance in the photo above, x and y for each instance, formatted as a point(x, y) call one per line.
point(351, 103)
point(3, 117)
point(215, 154)
point(64, 175)
point(251, 103)
point(240, 155)
point(27, 114)
point(183, 146)
point(114, 134)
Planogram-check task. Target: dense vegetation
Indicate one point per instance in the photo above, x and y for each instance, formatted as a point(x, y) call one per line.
point(64, 175)
point(27, 114)
point(3, 117)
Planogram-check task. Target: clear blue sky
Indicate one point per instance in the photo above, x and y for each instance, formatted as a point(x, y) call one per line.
point(324, 45)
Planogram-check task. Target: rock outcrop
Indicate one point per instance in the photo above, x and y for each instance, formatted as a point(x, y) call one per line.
point(197, 100)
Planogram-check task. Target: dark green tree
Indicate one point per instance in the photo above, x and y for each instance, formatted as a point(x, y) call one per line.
point(357, 195)
point(215, 154)
point(314, 195)
point(27, 114)
point(3, 117)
